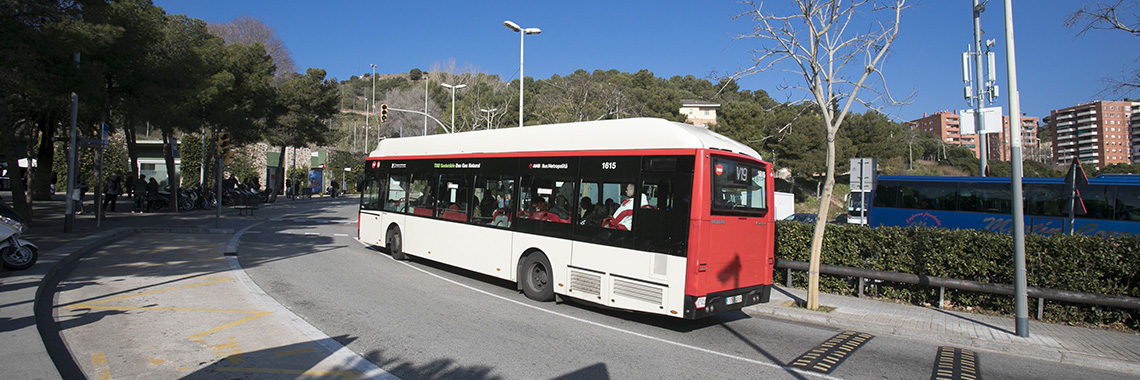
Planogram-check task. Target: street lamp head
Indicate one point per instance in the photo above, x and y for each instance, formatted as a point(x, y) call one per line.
point(532, 30)
point(512, 26)
point(461, 86)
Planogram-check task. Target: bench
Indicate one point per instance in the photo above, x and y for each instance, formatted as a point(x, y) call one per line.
point(242, 210)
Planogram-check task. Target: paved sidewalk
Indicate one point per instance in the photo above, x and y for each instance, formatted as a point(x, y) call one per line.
point(39, 333)
point(1103, 349)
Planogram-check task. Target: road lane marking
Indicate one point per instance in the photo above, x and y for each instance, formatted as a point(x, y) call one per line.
point(637, 334)
point(99, 361)
point(827, 356)
point(298, 351)
point(956, 364)
point(344, 235)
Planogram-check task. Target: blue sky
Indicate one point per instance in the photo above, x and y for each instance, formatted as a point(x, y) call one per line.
point(1056, 68)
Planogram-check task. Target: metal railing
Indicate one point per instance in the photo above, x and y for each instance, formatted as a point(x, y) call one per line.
point(1041, 294)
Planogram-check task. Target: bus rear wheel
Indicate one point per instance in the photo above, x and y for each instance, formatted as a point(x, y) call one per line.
point(395, 244)
point(536, 278)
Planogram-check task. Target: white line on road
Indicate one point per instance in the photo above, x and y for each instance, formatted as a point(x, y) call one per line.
point(340, 234)
point(682, 345)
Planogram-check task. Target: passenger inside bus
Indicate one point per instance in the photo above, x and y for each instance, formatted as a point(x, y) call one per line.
point(622, 218)
point(561, 208)
point(587, 207)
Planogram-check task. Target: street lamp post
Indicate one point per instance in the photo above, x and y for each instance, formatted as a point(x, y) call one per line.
point(452, 101)
point(487, 112)
point(425, 77)
point(366, 124)
point(373, 104)
point(522, 32)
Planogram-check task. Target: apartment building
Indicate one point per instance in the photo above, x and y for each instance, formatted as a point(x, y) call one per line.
point(1135, 125)
point(946, 124)
point(1096, 133)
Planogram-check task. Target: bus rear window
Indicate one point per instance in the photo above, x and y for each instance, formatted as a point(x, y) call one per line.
point(738, 187)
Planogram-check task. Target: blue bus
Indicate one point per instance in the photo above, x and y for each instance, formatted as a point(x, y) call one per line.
point(1112, 204)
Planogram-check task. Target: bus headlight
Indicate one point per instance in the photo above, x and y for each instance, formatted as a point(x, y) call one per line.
point(700, 304)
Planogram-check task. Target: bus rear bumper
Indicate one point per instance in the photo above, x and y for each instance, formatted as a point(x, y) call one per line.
point(716, 303)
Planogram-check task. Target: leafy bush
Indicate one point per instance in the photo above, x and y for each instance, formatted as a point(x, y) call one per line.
point(1078, 263)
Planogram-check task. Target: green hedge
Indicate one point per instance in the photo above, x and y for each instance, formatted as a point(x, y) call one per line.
point(1078, 263)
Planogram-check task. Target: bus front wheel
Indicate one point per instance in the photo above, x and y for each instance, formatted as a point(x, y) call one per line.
point(395, 244)
point(537, 278)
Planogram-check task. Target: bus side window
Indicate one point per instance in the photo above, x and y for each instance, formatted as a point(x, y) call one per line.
point(494, 205)
point(663, 219)
point(422, 199)
point(453, 201)
point(1128, 203)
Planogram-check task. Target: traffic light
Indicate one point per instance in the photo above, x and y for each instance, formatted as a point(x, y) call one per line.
point(383, 113)
point(224, 148)
point(223, 142)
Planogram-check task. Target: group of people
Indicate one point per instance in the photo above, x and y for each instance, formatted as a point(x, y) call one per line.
point(141, 190)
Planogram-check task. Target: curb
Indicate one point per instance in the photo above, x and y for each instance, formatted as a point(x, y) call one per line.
point(1046, 354)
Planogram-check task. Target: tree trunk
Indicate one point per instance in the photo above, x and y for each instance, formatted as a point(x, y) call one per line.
point(41, 183)
point(171, 171)
point(821, 222)
point(11, 152)
point(132, 151)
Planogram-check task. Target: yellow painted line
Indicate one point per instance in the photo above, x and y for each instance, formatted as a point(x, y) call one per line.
point(156, 361)
point(99, 361)
point(346, 375)
point(231, 324)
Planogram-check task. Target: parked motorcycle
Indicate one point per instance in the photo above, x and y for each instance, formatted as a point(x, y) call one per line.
point(186, 199)
point(16, 253)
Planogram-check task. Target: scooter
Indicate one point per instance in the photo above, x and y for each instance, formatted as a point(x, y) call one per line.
point(16, 253)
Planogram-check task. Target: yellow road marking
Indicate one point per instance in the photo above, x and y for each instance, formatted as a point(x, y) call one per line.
point(258, 314)
point(99, 361)
point(156, 361)
point(346, 375)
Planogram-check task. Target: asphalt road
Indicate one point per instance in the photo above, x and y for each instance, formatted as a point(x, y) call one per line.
point(422, 320)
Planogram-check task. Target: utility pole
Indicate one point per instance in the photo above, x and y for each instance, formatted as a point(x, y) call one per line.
point(979, 99)
point(1020, 293)
point(371, 103)
point(72, 170)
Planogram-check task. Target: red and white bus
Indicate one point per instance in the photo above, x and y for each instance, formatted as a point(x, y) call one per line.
point(637, 214)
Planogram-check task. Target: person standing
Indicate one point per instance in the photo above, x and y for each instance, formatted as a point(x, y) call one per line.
point(111, 192)
point(139, 190)
point(77, 195)
point(151, 192)
point(335, 188)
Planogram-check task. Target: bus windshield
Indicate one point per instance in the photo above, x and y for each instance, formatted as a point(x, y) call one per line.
point(738, 187)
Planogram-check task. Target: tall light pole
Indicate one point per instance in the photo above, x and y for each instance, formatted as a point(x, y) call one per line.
point(366, 125)
point(452, 101)
point(372, 103)
point(425, 73)
point(522, 32)
point(1020, 292)
point(487, 112)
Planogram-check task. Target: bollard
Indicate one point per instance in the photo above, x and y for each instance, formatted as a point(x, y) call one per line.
point(1040, 308)
point(861, 282)
point(788, 279)
point(941, 296)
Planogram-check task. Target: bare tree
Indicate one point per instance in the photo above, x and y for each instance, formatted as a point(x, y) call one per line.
point(247, 30)
point(579, 97)
point(835, 68)
point(403, 123)
point(1106, 17)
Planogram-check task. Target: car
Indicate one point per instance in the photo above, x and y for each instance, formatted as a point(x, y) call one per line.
point(802, 217)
